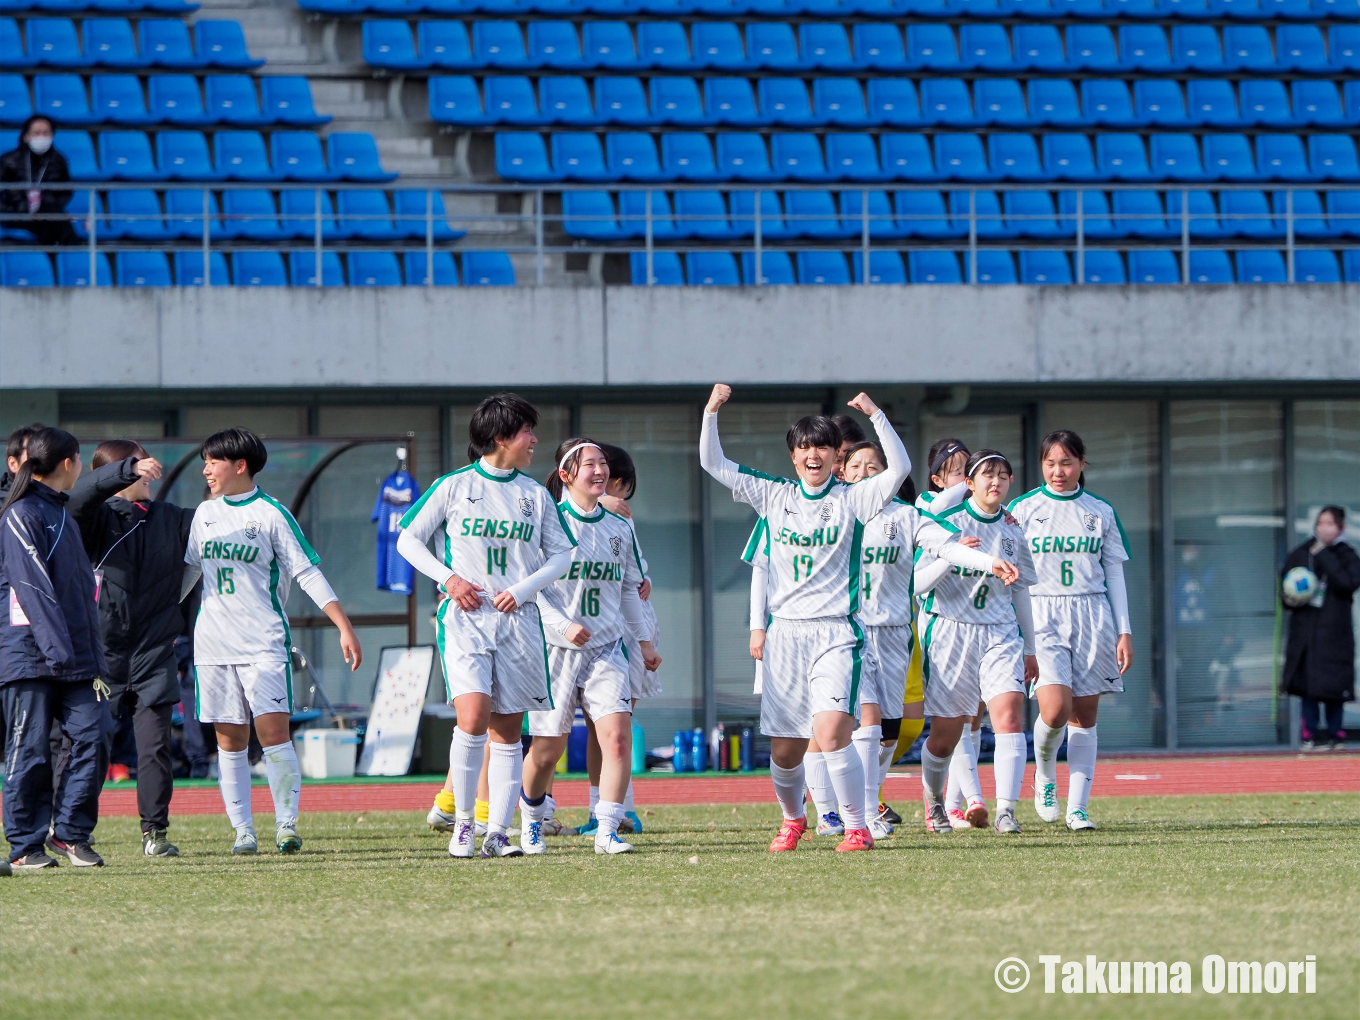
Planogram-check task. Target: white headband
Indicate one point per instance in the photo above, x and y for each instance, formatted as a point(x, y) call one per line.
point(984, 460)
point(562, 464)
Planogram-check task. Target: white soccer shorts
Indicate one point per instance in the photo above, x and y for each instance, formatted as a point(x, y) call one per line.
point(967, 663)
point(887, 658)
point(236, 694)
point(1074, 640)
point(811, 666)
point(593, 679)
point(503, 655)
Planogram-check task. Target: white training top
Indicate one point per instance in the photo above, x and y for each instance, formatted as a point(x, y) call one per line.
point(935, 501)
point(755, 555)
point(600, 588)
point(891, 541)
point(249, 549)
point(501, 530)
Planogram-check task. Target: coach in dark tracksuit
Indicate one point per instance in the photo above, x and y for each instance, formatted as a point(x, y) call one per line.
point(51, 661)
point(137, 545)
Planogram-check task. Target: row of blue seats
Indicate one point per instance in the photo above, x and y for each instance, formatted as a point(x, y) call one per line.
point(826, 45)
point(1301, 10)
point(689, 156)
point(932, 215)
point(256, 269)
point(103, 6)
point(236, 155)
point(174, 99)
point(511, 100)
point(719, 269)
point(111, 42)
point(363, 214)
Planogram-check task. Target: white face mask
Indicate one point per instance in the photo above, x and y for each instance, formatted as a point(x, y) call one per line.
point(40, 143)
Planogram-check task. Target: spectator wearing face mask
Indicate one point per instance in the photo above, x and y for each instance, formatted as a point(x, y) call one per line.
point(32, 164)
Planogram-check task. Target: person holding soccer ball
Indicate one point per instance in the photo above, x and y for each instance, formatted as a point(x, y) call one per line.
point(1319, 664)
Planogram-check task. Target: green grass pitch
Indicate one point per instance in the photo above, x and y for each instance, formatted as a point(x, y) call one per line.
point(375, 920)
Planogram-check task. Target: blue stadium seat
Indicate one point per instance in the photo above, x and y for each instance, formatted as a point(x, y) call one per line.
point(879, 47)
point(784, 101)
point(1332, 158)
point(718, 45)
point(985, 47)
point(994, 267)
point(62, 97)
point(1247, 214)
point(1213, 101)
point(1122, 157)
point(184, 214)
point(776, 269)
point(1196, 48)
point(1140, 214)
point(189, 269)
point(258, 269)
point(1261, 267)
point(297, 156)
point(1092, 9)
point(1029, 8)
point(1343, 213)
point(1045, 267)
point(15, 105)
point(1316, 103)
point(578, 156)
point(893, 102)
point(1014, 157)
point(1264, 101)
point(1281, 158)
point(250, 213)
point(923, 214)
point(1154, 267)
point(1000, 101)
point(555, 44)
point(1159, 102)
point(772, 225)
point(633, 214)
point(1229, 158)
point(1199, 214)
point(590, 214)
point(1243, 10)
point(231, 99)
point(711, 269)
point(731, 101)
point(934, 267)
point(1176, 158)
point(118, 99)
point(389, 44)
point(822, 267)
point(164, 42)
point(664, 45)
point(287, 99)
point(53, 42)
point(353, 156)
point(932, 47)
point(798, 157)
point(222, 44)
point(609, 44)
point(813, 214)
point(1313, 266)
point(143, 269)
point(26, 269)
point(1106, 101)
point(500, 44)
point(374, 269)
point(1343, 47)
point(1299, 10)
point(946, 101)
point(445, 270)
point(301, 209)
point(632, 156)
point(1144, 48)
point(302, 269)
point(135, 214)
point(445, 44)
point(455, 99)
point(743, 157)
point(238, 156)
point(909, 157)
point(510, 99)
point(772, 45)
point(12, 46)
point(877, 214)
point(1054, 101)
point(1039, 48)
point(1099, 266)
point(1247, 48)
point(840, 101)
point(1301, 48)
point(175, 99)
point(73, 269)
point(183, 156)
point(621, 100)
point(566, 100)
point(1350, 99)
point(109, 43)
point(960, 157)
point(985, 213)
point(1031, 214)
point(1310, 217)
point(825, 45)
point(666, 269)
point(126, 156)
point(1091, 48)
point(676, 101)
point(854, 157)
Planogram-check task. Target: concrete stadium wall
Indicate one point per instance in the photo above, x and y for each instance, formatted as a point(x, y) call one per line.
point(229, 337)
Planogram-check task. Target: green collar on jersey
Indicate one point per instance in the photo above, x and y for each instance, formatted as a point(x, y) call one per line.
point(1061, 495)
point(514, 472)
point(599, 515)
point(977, 515)
point(250, 497)
point(831, 484)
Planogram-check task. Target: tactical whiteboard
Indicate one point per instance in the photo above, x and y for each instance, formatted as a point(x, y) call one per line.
point(394, 720)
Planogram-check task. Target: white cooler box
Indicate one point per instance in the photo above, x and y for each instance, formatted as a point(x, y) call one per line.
point(324, 754)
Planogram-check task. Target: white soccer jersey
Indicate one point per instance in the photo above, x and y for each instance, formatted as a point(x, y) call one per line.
point(888, 553)
point(606, 569)
point(492, 530)
point(975, 596)
point(249, 548)
point(1071, 537)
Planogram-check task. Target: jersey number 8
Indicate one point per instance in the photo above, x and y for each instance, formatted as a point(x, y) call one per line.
point(980, 597)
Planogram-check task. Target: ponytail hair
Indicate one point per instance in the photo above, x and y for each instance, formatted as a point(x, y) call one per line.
point(569, 465)
point(942, 451)
point(1069, 441)
point(47, 449)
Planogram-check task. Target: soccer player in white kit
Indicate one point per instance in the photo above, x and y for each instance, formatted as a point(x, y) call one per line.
point(248, 550)
point(588, 614)
point(978, 644)
point(1081, 618)
point(501, 539)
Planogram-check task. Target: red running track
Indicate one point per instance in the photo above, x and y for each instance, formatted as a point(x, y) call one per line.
point(1130, 777)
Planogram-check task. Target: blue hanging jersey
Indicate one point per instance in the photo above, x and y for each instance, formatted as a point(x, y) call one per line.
point(399, 490)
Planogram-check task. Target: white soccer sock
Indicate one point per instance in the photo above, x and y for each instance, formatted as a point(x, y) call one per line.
point(963, 771)
point(1047, 740)
point(608, 813)
point(594, 800)
point(933, 773)
point(285, 782)
point(866, 740)
point(885, 760)
point(504, 773)
point(465, 768)
point(953, 791)
point(1081, 765)
point(847, 777)
point(628, 804)
point(788, 787)
point(233, 769)
point(1009, 768)
point(819, 782)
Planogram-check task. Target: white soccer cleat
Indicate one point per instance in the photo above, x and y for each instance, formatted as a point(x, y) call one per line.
point(287, 839)
point(479, 828)
point(1046, 799)
point(958, 820)
point(1078, 821)
point(440, 821)
point(531, 839)
point(879, 828)
point(1005, 821)
point(830, 824)
point(460, 845)
point(937, 818)
point(611, 844)
point(497, 844)
point(552, 827)
point(247, 842)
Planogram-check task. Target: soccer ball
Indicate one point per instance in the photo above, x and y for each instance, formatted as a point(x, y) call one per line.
point(1300, 585)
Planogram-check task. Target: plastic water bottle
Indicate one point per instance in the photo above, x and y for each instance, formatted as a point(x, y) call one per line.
point(698, 760)
point(639, 750)
point(680, 755)
point(748, 749)
point(717, 748)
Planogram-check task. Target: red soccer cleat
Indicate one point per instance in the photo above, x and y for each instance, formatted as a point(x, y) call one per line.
point(789, 835)
point(119, 774)
point(856, 839)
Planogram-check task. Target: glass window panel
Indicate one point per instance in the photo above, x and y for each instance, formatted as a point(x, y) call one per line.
point(1227, 507)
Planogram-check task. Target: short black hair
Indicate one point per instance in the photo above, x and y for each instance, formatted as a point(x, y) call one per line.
point(33, 119)
point(621, 467)
point(1338, 513)
point(813, 430)
point(976, 460)
point(849, 428)
point(236, 444)
point(499, 416)
point(18, 439)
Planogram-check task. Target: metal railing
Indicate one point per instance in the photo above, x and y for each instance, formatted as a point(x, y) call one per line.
point(532, 231)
